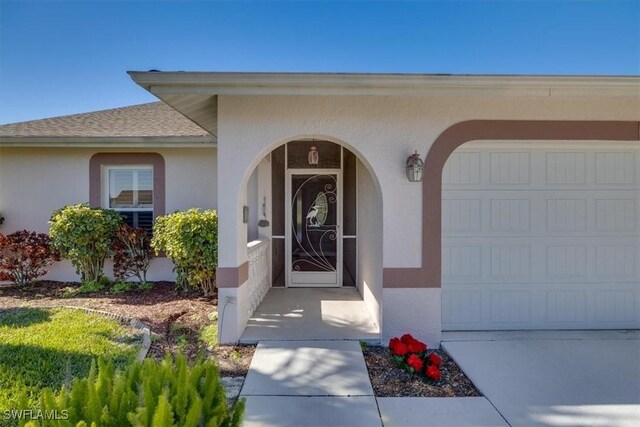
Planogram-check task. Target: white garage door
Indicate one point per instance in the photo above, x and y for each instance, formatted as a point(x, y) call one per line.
point(541, 238)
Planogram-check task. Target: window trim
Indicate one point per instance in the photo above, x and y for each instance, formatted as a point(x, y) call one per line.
point(107, 184)
point(100, 161)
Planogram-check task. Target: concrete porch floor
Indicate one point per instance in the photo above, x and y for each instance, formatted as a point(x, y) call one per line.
point(311, 314)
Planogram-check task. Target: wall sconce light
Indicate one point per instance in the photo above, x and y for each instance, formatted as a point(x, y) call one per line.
point(313, 157)
point(415, 166)
point(264, 222)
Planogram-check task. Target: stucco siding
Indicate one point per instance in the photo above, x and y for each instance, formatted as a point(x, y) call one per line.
point(383, 131)
point(35, 181)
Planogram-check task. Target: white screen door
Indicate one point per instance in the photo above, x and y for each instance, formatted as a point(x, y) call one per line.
point(313, 236)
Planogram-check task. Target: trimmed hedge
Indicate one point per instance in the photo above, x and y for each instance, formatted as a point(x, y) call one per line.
point(84, 236)
point(190, 240)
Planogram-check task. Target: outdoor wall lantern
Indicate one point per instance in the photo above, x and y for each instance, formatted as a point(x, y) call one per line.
point(415, 166)
point(313, 155)
point(264, 222)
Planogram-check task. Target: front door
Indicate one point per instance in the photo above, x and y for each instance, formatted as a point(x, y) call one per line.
point(313, 236)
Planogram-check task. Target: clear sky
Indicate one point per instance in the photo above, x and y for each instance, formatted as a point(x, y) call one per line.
point(60, 57)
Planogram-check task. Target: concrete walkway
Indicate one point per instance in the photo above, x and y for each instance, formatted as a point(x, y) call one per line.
point(311, 314)
point(326, 383)
point(309, 383)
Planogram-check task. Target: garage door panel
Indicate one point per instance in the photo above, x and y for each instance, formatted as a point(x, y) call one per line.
point(616, 215)
point(567, 306)
point(509, 168)
point(615, 168)
point(552, 167)
point(550, 306)
point(565, 168)
point(542, 238)
point(536, 212)
point(462, 169)
point(541, 259)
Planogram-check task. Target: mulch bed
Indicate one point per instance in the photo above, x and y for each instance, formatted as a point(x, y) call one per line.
point(389, 380)
point(175, 318)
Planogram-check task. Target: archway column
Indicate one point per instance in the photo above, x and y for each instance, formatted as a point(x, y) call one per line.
point(233, 268)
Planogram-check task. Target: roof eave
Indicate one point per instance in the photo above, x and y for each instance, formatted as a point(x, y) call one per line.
point(108, 141)
point(213, 83)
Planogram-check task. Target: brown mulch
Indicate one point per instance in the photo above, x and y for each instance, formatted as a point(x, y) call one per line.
point(175, 318)
point(389, 380)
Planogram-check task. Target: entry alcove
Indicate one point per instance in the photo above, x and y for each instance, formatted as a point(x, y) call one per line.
point(315, 207)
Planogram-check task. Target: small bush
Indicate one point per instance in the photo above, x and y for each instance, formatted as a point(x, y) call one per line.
point(84, 236)
point(209, 334)
point(132, 254)
point(25, 255)
point(190, 240)
point(1, 219)
point(122, 287)
point(145, 394)
point(88, 288)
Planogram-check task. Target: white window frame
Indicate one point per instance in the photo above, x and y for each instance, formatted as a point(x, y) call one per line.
point(106, 186)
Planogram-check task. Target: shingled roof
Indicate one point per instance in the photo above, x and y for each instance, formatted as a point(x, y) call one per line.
point(155, 119)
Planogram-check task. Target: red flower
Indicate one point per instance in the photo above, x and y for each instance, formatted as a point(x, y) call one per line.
point(434, 359)
point(433, 372)
point(415, 362)
point(400, 349)
point(393, 343)
point(407, 338)
point(416, 346)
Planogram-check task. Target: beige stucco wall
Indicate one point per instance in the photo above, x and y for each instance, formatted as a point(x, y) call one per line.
point(35, 181)
point(383, 131)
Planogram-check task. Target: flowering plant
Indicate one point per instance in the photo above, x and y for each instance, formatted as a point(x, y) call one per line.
point(411, 355)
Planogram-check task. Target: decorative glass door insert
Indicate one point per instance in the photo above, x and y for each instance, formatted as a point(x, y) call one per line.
point(314, 255)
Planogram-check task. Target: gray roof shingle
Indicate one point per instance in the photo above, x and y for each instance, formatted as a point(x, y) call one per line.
point(155, 119)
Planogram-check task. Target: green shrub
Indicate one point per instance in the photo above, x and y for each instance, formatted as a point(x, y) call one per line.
point(122, 287)
point(84, 235)
point(132, 254)
point(25, 255)
point(190, 240)
point(88, 288)
point(209, 334)
point(151, 393)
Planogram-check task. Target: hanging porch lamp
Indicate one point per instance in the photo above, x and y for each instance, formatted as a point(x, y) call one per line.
point(415, 167)
point(313, 156)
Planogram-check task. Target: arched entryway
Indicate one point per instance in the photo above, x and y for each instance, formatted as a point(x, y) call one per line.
point(316, 203)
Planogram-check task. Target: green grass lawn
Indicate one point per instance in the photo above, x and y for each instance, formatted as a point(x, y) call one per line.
point(50, 347)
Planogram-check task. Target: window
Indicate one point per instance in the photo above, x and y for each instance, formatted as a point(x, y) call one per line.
point(148, 193)
point(129, 190)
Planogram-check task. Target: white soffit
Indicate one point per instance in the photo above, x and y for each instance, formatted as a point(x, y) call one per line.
point(211, 83)
point(202, 109)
